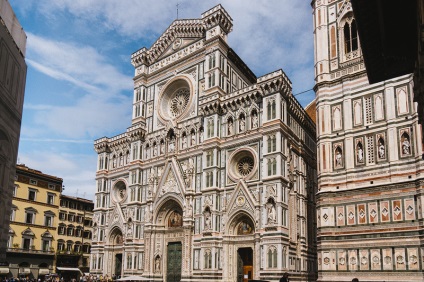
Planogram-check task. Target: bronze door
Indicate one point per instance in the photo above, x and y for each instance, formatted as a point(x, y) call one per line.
point(173, 272)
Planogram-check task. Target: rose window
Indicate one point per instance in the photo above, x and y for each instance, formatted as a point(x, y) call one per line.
point(242, 163)
point(245, 165)
point(179, 102)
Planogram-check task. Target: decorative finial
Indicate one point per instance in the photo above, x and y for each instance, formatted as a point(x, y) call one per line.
point(177, 9)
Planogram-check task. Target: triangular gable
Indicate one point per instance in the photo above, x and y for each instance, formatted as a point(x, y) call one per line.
point(176, 46)
point(178, 29)
point(241, 200)
point(116, 218)
point(171, 181)
point(345, 8)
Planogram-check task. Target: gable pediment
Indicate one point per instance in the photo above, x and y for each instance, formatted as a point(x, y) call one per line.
point(241, 200)
point(186, 31)
point(171, 181)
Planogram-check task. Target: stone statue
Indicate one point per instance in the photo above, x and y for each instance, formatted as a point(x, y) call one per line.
point(381, 151)
point(208, 221)
point(338, 158)
point(184, 145)
point(242, 124)
point(155, 150)
point(201, 136)
point(271, 214)
point(255, 121)
point(230, 127)
point(360, 155)
point(157, 264)
point(406, 146)
point(193, 138)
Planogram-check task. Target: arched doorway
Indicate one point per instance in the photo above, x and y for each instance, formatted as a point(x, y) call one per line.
point(170, 216)
point(242, 230)
point(116, 240)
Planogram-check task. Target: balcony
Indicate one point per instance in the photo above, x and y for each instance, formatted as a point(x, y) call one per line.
point(30, 251)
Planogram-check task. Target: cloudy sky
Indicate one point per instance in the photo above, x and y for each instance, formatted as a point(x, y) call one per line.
point(79, 81)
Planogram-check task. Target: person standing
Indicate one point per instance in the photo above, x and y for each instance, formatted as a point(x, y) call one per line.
point(285, 277)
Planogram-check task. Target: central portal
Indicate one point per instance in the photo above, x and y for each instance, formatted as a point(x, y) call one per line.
point(244, 264)
point(173, 270)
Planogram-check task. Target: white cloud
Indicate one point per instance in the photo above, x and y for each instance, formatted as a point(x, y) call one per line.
point(76, 170)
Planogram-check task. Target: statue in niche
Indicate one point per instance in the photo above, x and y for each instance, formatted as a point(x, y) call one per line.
point(201, 136)
point(128, 158)
point(114, 162)
point(171, 146)
point(155, 150)
point(184, 145)
point(162, 148)
point(339, 162)
point(255, 120)
point(244, 228)
point(406, 146)
point(129, 231)
point(157, 264)
point(242, 124)
point(94, 234)
point(381, 149)
point(147, 152)
point(230, 127)
point(271, 214)
point(208, 221)
point(193, 138)
point(359, 153)
point(121, 160)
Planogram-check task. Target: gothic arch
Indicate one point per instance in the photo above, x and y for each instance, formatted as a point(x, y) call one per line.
point(167, 207)
point(241, 221)
point(116, 236)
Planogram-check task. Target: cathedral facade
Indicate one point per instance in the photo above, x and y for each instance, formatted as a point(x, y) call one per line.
point(215, 179)
point(370, 164)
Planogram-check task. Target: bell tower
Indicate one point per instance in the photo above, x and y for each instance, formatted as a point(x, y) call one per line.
point(369, 160)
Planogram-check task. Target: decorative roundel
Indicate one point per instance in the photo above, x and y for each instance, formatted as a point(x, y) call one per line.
point(242, 163)
point(179, 101)
point(175, 99)
point(245, 165)
point(119, 192)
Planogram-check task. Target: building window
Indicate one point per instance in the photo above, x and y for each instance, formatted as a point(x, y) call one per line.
point(271, 109)
point(61, 230)
point(272, 143)
point(48, 220)
point(26, 243)
point(60, 246)
point(272, 257)
point(46, 245)
point(15, 188)
point(212, 61)
point(71, 217)
point(50, 199)
point(62, 216)
point(29, 217)
point(70, 231)
point(32, 194)
point(272, 166)
point(209, 179)
point(69, 246)
point(12, 214)
point(333, 47)
point(350, 37)
point(209, 158)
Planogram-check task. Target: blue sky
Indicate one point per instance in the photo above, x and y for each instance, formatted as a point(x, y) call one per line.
point(79, 80)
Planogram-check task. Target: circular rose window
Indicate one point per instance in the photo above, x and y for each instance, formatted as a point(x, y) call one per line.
point(179, 101)
point(245, 165)
point(175, 99)
point(242, 163)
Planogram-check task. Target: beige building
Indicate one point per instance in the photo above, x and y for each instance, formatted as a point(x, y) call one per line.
point(74, 236)
point(12, 86)
point(215, 178)
point(33, 220)
point(370, 163)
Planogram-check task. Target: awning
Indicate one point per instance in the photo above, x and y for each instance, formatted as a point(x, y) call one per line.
point(24, 271)
point(133, 278)
point(68, 269)
point(43, 271)
point(4, 270)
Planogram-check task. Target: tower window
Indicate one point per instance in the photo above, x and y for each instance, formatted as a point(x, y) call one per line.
point(350, 36)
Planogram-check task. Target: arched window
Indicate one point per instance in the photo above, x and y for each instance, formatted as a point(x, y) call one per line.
point(350, 36)
point(272, 257)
